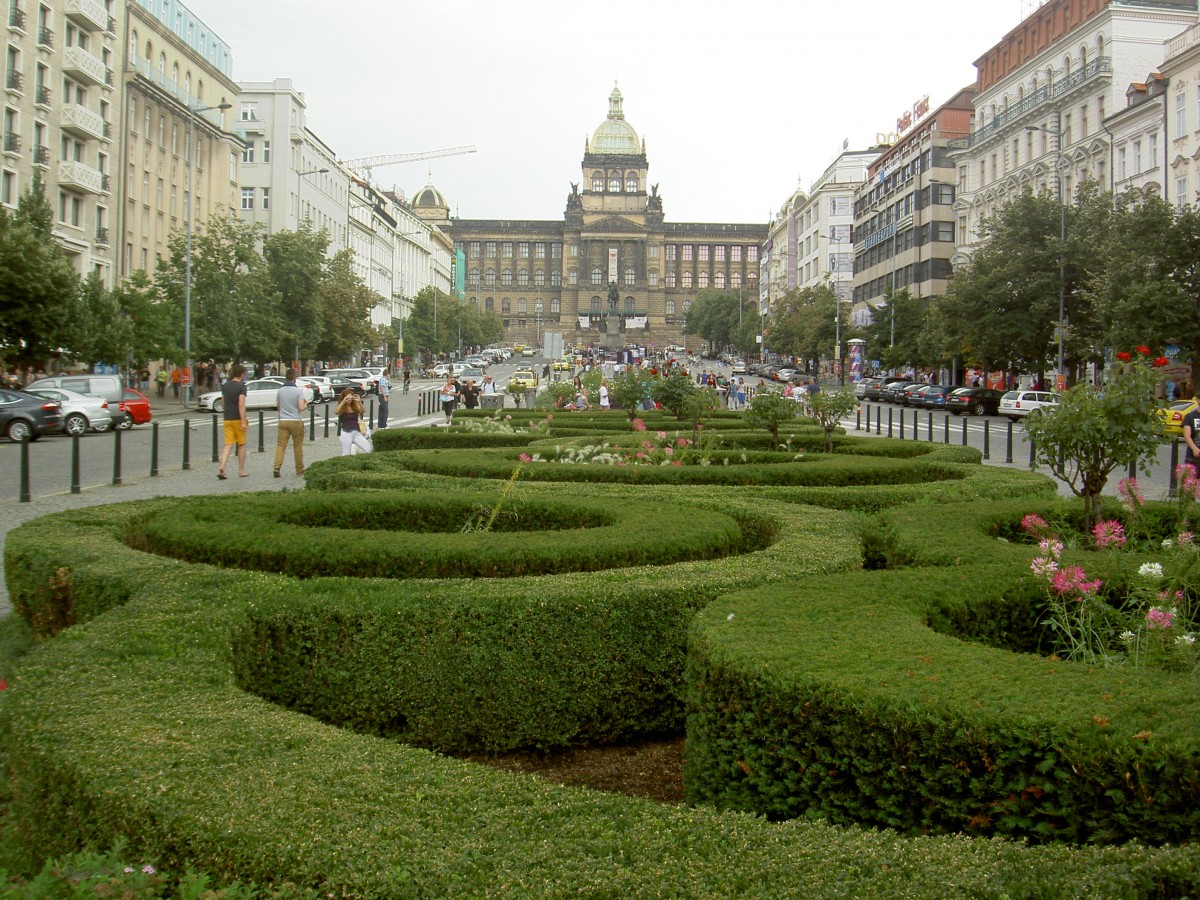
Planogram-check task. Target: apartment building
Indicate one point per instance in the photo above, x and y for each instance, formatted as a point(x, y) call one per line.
point(1137, 158)
point(1181, 143)
point(1045, 92)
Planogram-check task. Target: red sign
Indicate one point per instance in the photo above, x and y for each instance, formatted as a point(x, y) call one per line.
point(919, 110)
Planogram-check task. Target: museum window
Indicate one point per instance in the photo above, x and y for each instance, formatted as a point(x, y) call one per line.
point(523, 278)
point(490, 304)
point(631, 184)
point(506, 249)
point(685, 280)
point(490, 247)
point(523, 249)
point(630, 276)
point(556, 251)
point(489, 277)
point(653, 279)
point(702, 253)
point(554, 305)
point(719, 253)
point(670, 307)
point(752, 253)
point(539, 250)
point(687, 307)
point(595, 303)
point(614, 183)
point(573, 276)
point(473, 277)
point(598, 182)
point(670, 253)
point(752, 277)
point(505, 305)
point(702, 280)
point(628, 304)
point(735, 254)
point(670, 280)
point(719, 281)
point(506, 278)
point(521, 306)
point(735, 280)
point(539, 277)
point(652, 251)
point(687, 252)
point(474, 248)
point(597, 276)
point(556, 278)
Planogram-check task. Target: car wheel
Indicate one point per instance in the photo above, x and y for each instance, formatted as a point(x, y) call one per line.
point(219, 405)
point(75, 424)
point(126, 423)
point(18, 430)
point(979, 409)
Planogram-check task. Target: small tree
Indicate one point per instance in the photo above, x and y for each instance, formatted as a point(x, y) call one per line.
point(673, 393)
point(769, 410)
point(828, 408)
point(631, 389)
point(1091, 432)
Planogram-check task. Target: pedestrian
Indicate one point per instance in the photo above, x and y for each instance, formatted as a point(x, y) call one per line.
point(160, 379)
point(233, 399)
point(352, 423)
point(384, 389)
point(1191, 437)
point(144, 377)
point(291, 402)
point(488, 387)
point(470, 394)
point(407, 378)
point(605, 403)
point(449, 398)
point(581, 400)
point(175, 376)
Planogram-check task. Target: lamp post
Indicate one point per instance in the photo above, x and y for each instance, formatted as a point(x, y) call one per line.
point(186, 385)
point(1062, 251)
point(537, 308)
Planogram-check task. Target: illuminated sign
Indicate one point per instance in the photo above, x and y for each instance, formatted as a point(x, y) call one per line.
point(919, 110)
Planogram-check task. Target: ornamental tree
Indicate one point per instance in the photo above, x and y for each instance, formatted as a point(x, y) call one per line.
point(828, 408)
point(1091, 431)
point(770, 409)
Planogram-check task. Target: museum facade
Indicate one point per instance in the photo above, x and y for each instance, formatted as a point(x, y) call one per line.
point(612, 271)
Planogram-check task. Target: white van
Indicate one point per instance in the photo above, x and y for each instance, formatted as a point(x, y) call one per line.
point(107, 386)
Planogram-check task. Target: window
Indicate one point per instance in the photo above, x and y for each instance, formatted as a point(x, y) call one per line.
point(573, 276)
point(719, 253)
point(670, 253)
point(521, 307)
point(614, 183)
point(158, 195)
point(506, 278)
point(523, 278)
point(597, 276)
point(490, 304)
point(145, 187)
point(631, 183)
point(702, 280)
point(506, 249)
point(653, 278)
point(266, 156)
point(554, 305)
point(1121, 163)
point(597, 182)
point(489, 277)
point(248, 153)
point(719, 281)
point(539, 278)
point(539, 250)
point(556, 278)
point(1181, 192)
point(630, 277)
point(490, 248)
point(8, 188)
point(752, 253)
point(473, 277)
point(595, 303)
point(670, 280)
point(1180, 114)
point(574, 250)
point(735, 280)
point(247, 198)
point(249, 110)
point(685, 280)
point(670, 307)
point(687, 252)
point(556, 251)
point(629, 304)
point(266, 198)
point(523, 249)
point(505, 305)
point(1152, 162)
point(702, 253)
point(473, 248)
point(735, 254)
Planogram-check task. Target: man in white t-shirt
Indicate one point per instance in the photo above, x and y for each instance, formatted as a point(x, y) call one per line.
point(604, 401)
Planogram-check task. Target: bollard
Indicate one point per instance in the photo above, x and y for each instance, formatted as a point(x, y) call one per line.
point(116, 456)
point(929, 430)
point(964, 434)
point(216, 449)
point(154, 450)
point(987, 439)
point(868, 418)
point(187, 444)
point(902, 423)
point(1008, 457)
point(312, 423)
point(858, 418)
point(371, 411)
point(878, 420)
point(889, 421)
point(1133, 469)
point(75, 464)
point(261, 447)
point(946, 429)
point(1174, 486)
point(25, 493)
point(326, 420)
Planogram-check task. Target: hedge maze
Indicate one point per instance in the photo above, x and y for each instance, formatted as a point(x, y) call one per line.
point(264, 687)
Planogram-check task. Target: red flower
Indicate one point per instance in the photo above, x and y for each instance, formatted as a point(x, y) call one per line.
point(3, 685)
point(1124, 356)
point(1144, 350)
point(1160, 361)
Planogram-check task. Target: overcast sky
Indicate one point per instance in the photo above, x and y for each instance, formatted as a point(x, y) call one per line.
point(738, 103)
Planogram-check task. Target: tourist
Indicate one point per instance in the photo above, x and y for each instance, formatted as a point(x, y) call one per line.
point(233, 399)
point(291, 402)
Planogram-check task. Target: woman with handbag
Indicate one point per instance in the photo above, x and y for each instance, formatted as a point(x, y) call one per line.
point(449, 396)
point(352, 423)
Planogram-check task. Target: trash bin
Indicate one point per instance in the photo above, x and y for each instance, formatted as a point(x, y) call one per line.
point(491, 401)
point(530, 399)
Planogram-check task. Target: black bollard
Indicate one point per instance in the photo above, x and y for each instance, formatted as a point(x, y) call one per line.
point(261, 446)
point(946, 429)
point(858, 419)
point(75, 464)
point(312, 423)
point(878, 420)
point(326, 420)
point(868, 418)
point(216, 448)
point(116, 456)
point(902, 423)
point(929, 430)
point(889, 421)
point(371, 412)
point(25, 493)
point(1008, 457)
point(1133, 469)
point(964, 434)
point(187, 444)
point(987, 439)
point(154, 450)
point(1032, 456)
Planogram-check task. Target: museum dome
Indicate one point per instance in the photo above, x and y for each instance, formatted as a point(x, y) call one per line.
point(430, 197)
point(615, 135)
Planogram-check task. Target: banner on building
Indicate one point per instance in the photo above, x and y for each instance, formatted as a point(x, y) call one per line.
point(583, 321)
point(612, 264)
point(635, 322)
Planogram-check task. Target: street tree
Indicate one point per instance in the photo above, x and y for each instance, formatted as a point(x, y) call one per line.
point(769, 410)
point(343, 303)
point(829, 408)
point(296, 261)
point(39, 288)
point(893, 334)
point(150, 323)
point(106, 332)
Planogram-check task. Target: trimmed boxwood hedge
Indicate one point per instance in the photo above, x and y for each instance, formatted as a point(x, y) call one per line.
point(389, 536)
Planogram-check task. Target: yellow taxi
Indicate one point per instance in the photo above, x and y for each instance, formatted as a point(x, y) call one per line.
point(525, 378)
point(1173, 415)
point(564, 364)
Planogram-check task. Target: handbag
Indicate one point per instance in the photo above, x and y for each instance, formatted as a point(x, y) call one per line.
point(362, 426)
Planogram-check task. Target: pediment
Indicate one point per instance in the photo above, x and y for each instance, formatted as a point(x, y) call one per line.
point(618, 224)
point(1179, 160)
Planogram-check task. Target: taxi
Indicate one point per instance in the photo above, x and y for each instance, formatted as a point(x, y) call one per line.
point(1173, 415)
point(524, 378)
point(564, 364)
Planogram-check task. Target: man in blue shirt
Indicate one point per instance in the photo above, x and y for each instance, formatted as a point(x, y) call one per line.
point(291, 402)
point(385, 392)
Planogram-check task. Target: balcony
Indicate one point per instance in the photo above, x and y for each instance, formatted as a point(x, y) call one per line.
point(106, 184)
point(76, 176)
point(82, 122)
point(81, 65)
point(41, 156)
point(13, 80)
point(12, 142)
point(16, 19)
point(90, 15)
point(45, 37)
point(42, 95)
point(101, 235)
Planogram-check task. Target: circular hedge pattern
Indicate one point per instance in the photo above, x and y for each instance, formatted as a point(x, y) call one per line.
point(470, 535)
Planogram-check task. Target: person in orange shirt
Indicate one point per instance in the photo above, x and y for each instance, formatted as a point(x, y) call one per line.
point(176, 376)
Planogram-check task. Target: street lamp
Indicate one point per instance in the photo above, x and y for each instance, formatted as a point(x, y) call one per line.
point(537, 308)
point(187, 251)
point(1062, 250)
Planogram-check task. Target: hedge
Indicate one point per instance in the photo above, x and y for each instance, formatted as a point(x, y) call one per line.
point(133, 725)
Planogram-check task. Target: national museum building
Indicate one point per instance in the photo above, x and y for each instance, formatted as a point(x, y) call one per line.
point(612, 271)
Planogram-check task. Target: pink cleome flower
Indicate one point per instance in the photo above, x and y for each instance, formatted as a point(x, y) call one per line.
point(638, 425)
point(1184, 538)
point(1054, 548)
point(1073, 580)
point(1158, 617)
point(661, 435)
point(1033, 524)
point(683, 442)
point(1043, 566)
point(1109, 535)
point(1129, 491)
point(525, 457)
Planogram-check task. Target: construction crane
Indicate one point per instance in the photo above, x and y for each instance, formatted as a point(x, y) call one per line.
point(365, 164)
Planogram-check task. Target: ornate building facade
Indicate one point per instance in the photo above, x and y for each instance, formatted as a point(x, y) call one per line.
point(613, 270)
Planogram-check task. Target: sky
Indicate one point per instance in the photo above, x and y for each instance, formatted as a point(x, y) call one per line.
point(738, 105)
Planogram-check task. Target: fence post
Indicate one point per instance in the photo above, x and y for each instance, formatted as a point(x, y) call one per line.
point(878, 420)
point(946, 429)
point(902, 423)
point(75, 489)
point(929, 430)
point(116, 456)
point(858, 419)
point(154, 450)
point(1008, 457)
point(964, 431)
point(25, 494)
point(187, 444)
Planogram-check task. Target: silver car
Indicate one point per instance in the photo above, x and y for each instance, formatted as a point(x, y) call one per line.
point(80, 412)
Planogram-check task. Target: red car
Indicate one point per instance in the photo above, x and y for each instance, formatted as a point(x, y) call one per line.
point(136, 407)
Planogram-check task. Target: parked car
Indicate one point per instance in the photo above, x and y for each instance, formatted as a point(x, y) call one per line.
point(875, 391)
point(860, 387)
point(80, 413)
point(316, 391)
point(785, 374)
point(136, 407)
point(739, 367)
point(24, 415)
point(1016, 404)
point(1173, 415)
point(978, 401)
point(262, 393)
point(339, 383)
point(894, 391)
point(934, 396)
point(528, 351)
point(473, 373)
point(107, 386)
point(359, 375)
point(911, 395)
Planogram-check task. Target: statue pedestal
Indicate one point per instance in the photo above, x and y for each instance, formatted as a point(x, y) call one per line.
point(613, 336)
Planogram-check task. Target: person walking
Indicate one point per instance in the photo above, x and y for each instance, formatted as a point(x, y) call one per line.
point(291, 402)
point(384, 389)
point(605, 403)
point(233, 399)
point(352, 423)
point(449, 398)
point(161, 380)
point(407, 378)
